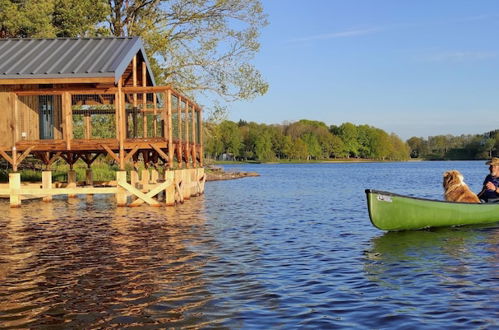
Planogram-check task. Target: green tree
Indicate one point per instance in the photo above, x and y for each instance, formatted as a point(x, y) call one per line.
point(230, 137)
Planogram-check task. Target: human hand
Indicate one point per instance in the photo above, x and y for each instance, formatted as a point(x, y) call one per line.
point(490, 186)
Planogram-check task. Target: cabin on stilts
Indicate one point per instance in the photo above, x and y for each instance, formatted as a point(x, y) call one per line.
point(79, 98)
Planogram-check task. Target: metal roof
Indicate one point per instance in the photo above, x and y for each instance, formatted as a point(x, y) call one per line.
point(68, 57)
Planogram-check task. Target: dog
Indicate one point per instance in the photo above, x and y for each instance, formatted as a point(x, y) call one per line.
point(455, 190)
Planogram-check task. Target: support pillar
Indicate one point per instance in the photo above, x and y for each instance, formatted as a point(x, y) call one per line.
point(89, 177)
point(186, 180)
point(170, 190)
point(121, 198)
point(71, 182)
point(47, 184)
point(194, 181)
point(15, 187)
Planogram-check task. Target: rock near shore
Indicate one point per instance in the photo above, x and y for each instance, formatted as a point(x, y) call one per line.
point(214, 173)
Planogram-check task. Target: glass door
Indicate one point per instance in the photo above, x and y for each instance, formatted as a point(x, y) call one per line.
point(46, 104)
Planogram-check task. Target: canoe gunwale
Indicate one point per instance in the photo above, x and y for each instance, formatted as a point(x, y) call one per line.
point(387, 193)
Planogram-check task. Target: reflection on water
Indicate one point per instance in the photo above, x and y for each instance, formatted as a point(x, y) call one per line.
point(293, 248)
point(83, 264)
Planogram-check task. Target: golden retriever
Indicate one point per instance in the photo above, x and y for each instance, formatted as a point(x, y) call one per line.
point(455, 190)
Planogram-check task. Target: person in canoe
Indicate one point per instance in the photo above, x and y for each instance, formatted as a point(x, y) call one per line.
point(490, 191)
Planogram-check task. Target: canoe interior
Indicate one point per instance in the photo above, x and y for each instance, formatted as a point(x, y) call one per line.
point(389, 211)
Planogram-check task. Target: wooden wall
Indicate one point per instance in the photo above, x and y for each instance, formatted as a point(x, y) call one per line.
point(6, 124)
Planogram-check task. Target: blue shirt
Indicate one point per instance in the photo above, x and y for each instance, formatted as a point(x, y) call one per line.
point(490, 194)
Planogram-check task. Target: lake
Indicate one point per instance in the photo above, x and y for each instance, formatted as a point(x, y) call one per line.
point(293, 248)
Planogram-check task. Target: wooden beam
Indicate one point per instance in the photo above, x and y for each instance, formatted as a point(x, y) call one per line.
point(153, 192)
point(186, 138)
point(193, 148)
point(134, 191)
point(111, 153)
point(144, 101)
point(24, 155)
point(67, 119)
point(7, 157)
point(15, 118)
point(170, 128)
point(160, 152)
point(131, 153)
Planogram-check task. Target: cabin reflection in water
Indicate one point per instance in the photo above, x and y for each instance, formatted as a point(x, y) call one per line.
point(82, 99)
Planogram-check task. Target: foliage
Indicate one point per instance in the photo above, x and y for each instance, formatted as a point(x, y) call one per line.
point(204, 45)
point(479, 146)
point(301, 140)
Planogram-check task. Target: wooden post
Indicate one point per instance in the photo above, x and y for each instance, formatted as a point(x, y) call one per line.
point(134, 82)
point(194, 181)
point(170, 128)
point(121, 198)
point(68, 118)
point(47, 184)
point(15, 187)
point(187, 145)
point(201, 129)
point(145, 180)
point(88, 126)
point(193, 145)
point(186, 183)
point(15, 120)
point(14, 159)
point(170, 190)
point(155, 110)
point(122, 126)
point(71, 182)
point(179, 122)
point(144, 100)
point(179, 185)
point(201, 180)
point(89, 177)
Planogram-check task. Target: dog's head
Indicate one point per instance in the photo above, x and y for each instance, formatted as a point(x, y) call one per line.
point(452, 178)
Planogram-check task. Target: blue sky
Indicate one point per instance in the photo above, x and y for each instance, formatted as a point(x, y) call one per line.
point(415, 68)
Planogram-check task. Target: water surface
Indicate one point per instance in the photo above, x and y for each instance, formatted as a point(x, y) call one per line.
point(291, 248)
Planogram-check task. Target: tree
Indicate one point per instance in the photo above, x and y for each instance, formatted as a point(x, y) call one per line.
point(348, 133)
point(230, 137)
point(202, 45)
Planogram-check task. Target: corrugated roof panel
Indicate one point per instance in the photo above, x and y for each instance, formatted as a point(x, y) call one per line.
point(67, 57)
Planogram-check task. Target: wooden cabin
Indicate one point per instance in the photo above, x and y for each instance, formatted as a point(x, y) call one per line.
point(78, 98)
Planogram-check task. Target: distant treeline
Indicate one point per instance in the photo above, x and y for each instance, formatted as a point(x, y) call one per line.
point(301, 140)
point(479, 146)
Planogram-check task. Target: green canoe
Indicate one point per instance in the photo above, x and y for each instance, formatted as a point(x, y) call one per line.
point(390, 211)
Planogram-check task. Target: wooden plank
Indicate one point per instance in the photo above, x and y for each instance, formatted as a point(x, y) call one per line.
point(68, 191)
point(186, 137)
point(153, 192)
point(138, 193)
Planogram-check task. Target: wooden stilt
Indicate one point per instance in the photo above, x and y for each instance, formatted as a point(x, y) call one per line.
point(47, 184)
point(179, 186)
point(121, 198)
point(71, 182)
point(89, 177)
point(15, 187)
point(170, 190)
point(186, 182)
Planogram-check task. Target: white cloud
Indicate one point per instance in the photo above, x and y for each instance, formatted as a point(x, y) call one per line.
point(341, 34)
